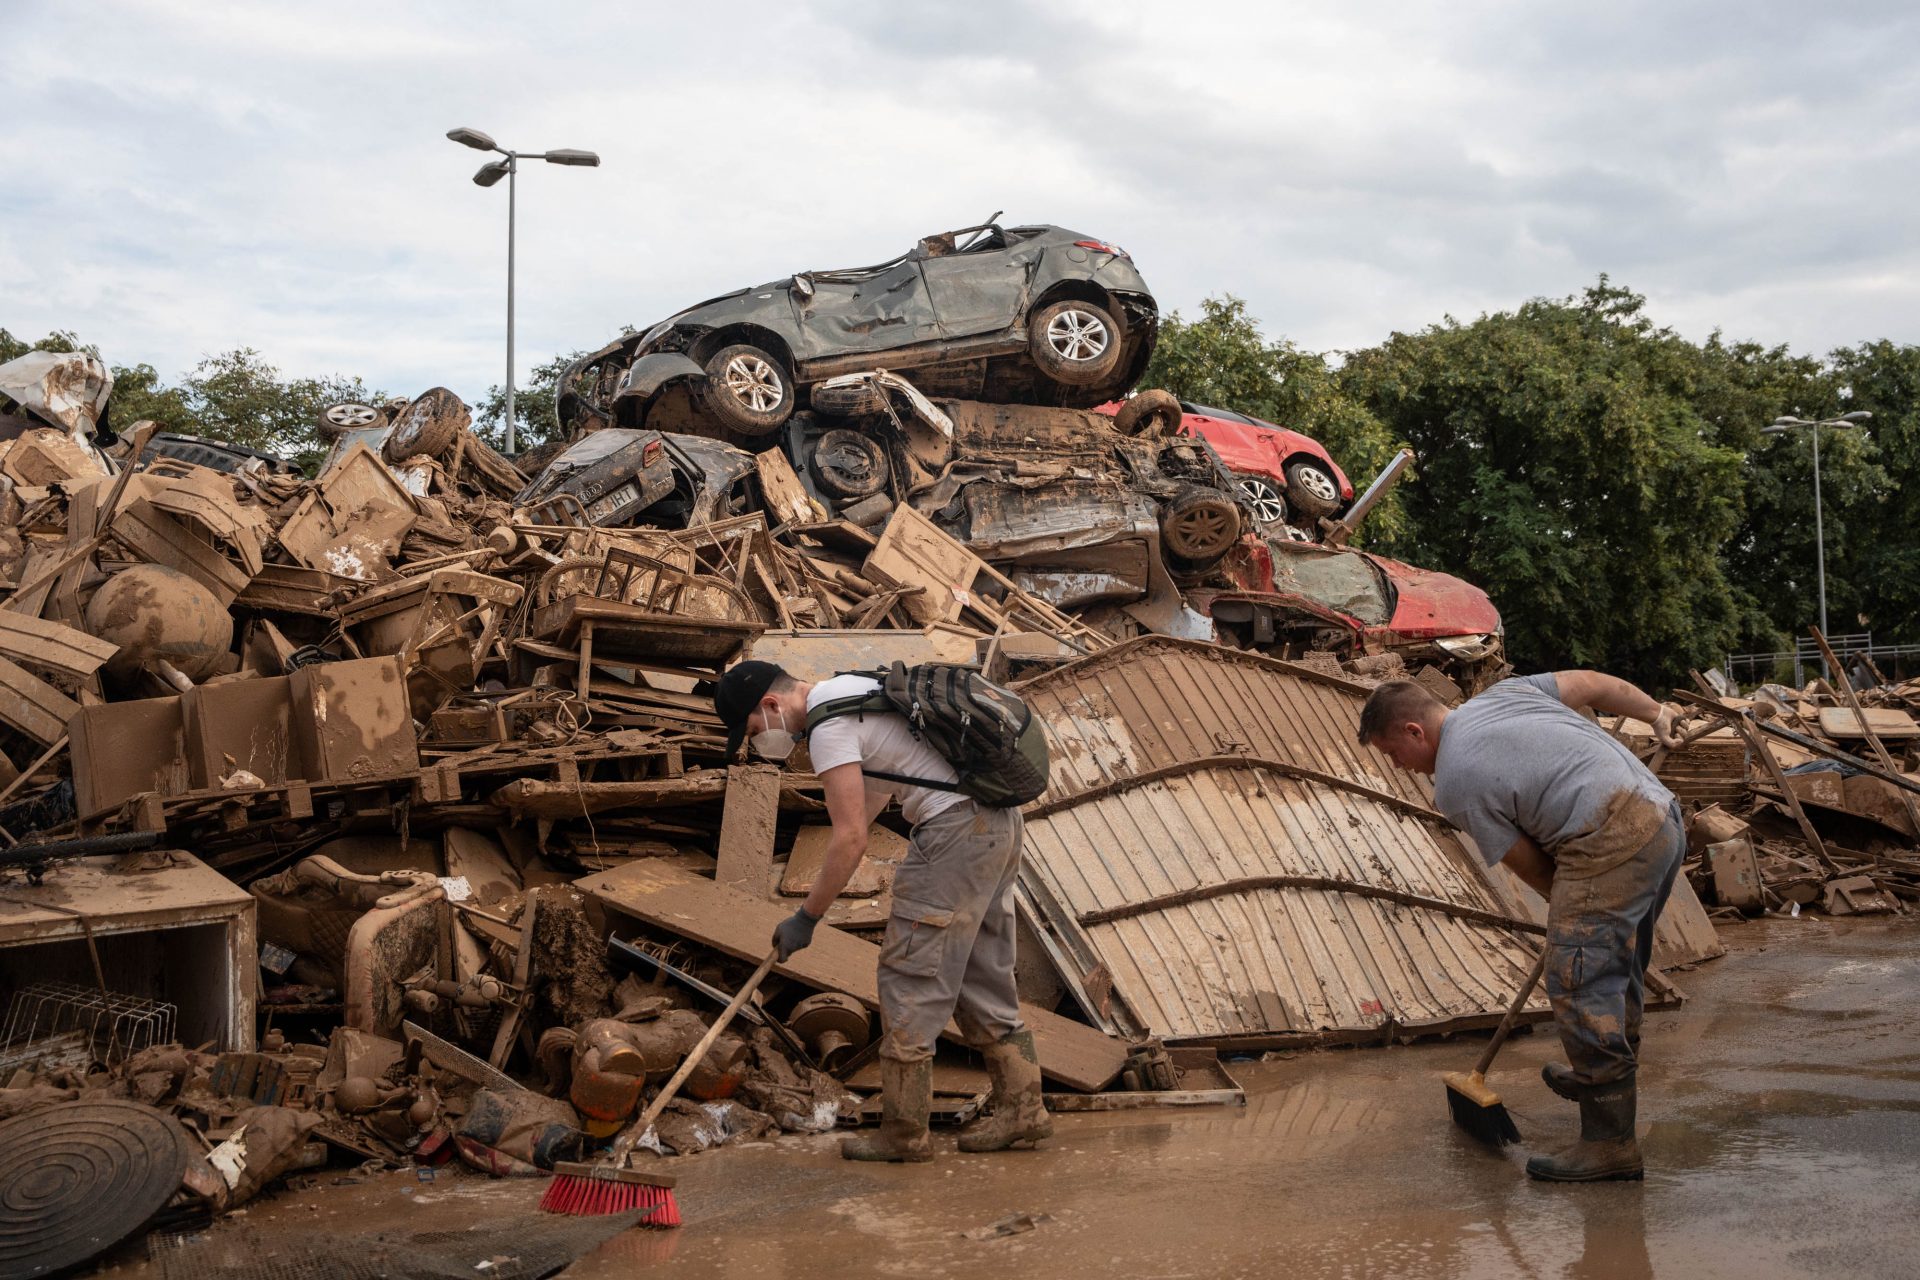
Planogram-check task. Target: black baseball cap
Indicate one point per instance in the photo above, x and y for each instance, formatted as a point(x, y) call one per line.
point(738, 692)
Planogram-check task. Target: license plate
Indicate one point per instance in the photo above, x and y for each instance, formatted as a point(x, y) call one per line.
point(607, 504)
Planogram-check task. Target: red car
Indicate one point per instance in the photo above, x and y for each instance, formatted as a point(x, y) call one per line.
point(1294, 597)
point(1281, 473)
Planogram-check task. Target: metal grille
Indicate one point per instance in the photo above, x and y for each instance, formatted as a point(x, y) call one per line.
point(114, 1027)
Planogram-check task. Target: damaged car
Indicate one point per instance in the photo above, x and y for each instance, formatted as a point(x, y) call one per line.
point(1294, 598)
point(620, 477)
point(1034, 314)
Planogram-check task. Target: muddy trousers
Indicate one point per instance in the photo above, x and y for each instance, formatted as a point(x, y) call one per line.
point(948, 951)
point(1599, 944)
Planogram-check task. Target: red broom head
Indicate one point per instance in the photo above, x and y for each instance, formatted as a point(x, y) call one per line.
point(596, 1197)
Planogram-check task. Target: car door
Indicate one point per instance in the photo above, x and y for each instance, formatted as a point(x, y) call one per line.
point(869, 309)
point(978, 288)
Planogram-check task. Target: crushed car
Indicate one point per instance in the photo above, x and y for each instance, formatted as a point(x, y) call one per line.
point(1287, 478)
point(1292, 599)
point(620, 477)
point(1034, 314)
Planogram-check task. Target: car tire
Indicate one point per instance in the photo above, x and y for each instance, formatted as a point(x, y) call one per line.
point(1311, 489)
point(338, 419)
point(1074, 343)
point(1263, 499)
point(1200, 526)
point(847, 464)
point(428, 426)
point(748, 390)
point(1153, 414)
point(855, 401)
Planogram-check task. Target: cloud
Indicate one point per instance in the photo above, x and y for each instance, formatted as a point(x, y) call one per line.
point(184, 178)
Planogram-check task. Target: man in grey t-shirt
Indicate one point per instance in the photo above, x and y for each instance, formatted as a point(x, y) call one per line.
point(1569, 810)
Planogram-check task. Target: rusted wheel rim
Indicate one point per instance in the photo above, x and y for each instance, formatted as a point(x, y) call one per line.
point(754, 383)
point(1202, 532)
point(1079, 336)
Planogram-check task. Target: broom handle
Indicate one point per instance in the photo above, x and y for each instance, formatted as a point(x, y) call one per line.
point(638, 1129)
point(1513, 1013)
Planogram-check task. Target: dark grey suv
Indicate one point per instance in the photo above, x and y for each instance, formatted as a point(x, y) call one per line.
point(1009, 314)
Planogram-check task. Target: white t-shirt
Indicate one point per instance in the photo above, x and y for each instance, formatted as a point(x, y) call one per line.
point(883, 741)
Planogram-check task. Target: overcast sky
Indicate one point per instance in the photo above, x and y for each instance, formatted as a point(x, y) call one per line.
point(178, 178)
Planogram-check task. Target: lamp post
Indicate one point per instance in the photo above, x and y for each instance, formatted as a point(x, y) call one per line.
point(509, 168)
point(1781, 426)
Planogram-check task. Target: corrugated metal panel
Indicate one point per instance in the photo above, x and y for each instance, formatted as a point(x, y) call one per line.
point(1252, 771)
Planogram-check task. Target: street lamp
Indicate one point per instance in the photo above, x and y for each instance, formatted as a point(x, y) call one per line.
point(1781, 426)
point(509, 168)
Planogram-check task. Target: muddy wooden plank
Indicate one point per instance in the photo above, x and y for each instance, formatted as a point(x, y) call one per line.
point(33, 706)
point(740, 925)
point(786, 498)
point(51, 644)
point(746, 827)
point(556, 800)
point(915, 552)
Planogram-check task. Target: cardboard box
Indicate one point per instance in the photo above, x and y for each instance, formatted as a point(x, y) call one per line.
point(121, 749)
point(351, 720)
point(250, 720)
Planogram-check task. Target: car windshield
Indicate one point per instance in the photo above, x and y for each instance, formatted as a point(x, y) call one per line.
point(1342, 580)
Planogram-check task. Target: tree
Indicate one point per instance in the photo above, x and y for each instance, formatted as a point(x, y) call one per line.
point(1222, 359)
point(240, 398)
point(536, 406)
point(1879, 512)
point(1566, 468)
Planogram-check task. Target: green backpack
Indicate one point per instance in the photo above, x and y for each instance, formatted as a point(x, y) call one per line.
point(988, 734)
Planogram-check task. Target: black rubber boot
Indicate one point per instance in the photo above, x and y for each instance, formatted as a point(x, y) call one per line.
point(1019, 1115)
point(906, 1099)
point(1607, 1149)
point(1563, 1082)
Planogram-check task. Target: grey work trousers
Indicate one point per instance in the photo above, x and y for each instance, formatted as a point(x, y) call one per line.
point(1599, 944)
point(948, 952)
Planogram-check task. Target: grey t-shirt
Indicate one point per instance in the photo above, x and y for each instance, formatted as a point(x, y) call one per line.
point(1515, 760)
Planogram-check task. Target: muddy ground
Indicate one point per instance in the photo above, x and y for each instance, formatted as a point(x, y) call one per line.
point(1780, 1118)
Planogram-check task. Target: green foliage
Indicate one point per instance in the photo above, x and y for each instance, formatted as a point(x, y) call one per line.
point(1877, 585)
point(1223, 360)
point(1567, 470)
point(535, 406)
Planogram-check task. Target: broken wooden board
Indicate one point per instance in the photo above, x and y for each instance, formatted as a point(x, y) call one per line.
point(728, 920)
point(747, 820)
point(33, 706)
point(50, 644)
point(786, 498)
point(1886, 722)
point(1684, 933)
point(167, 540)
point(819, 654)
point(885, 849)
point(915, 552)
point(359, 480)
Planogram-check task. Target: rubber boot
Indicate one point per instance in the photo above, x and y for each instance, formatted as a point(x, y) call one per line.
point(1607, 1148)
point(906, 1096)
point(1018, 1114)
point(1563, 1082)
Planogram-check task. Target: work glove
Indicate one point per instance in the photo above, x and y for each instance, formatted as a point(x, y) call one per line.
point(793, 933)
point(1665, 732)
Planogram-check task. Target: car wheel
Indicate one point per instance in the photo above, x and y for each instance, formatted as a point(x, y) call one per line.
point(848, 400)
point(1269, 507)
point(428, 426)
point(847, 464)
point(1312, 489)
point(1153, 414)
point(748, 390)
point(1075, 343)
point(338, 419)
point(1200, 526)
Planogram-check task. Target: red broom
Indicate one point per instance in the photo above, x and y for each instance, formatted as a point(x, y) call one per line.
point(593, 1190)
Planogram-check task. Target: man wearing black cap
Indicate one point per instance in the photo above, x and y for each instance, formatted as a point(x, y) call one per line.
point(949, 947)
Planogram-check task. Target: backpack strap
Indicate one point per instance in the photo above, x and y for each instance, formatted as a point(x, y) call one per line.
point(860, 704)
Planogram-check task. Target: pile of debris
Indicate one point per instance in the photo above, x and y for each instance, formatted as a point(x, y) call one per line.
point(385, 815)
point(1802, 803)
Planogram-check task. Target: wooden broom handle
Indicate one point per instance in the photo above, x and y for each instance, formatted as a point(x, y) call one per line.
point(638, 1129)
point(1513, 1013)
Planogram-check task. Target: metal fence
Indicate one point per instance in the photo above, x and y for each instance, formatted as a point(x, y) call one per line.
point(1797, 665)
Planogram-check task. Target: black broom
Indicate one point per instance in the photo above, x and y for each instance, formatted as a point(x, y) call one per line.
point(1476, 1108)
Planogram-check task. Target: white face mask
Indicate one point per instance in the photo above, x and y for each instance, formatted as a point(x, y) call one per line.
point(773, 744)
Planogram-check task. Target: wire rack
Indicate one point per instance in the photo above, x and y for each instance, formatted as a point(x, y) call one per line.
point(114, 1026)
